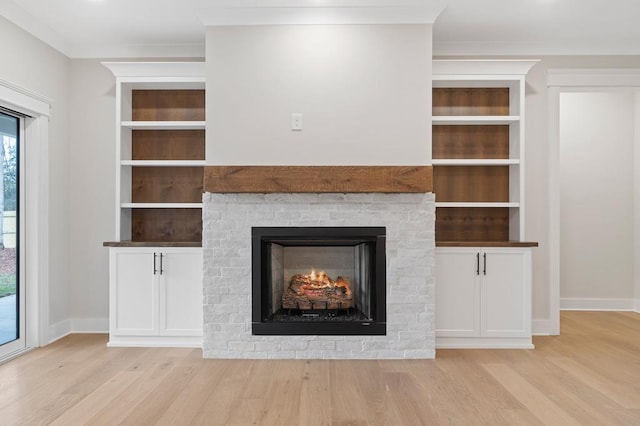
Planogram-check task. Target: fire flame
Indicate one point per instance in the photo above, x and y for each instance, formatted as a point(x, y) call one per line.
point(320, 279)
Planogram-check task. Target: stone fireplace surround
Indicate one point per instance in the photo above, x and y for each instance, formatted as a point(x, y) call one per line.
point(409, 219)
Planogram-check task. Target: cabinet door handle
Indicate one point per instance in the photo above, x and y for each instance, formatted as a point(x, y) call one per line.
point(161, 269)
point(484, 259)
point(155, 269)
point(477, 263)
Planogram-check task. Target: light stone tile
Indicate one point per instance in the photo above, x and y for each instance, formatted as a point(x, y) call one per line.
point(309, 354)
point(409, 219)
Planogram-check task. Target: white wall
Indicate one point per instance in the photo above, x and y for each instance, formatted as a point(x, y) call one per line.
point(596, 195)
point(92, 189)
point(32, 65)
point(364, 92)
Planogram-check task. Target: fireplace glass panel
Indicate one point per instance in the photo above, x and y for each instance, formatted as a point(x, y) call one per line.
point(319, 281)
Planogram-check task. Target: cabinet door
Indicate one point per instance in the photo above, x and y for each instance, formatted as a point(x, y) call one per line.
point(457, 293)
point(506, 293)
point(181, 293)
point(133, 293)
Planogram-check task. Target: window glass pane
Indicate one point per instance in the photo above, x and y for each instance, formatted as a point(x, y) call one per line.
point(8, 228)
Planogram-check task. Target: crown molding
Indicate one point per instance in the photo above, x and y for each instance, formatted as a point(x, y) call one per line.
point(479, 67)
point(542, 48)
point(156, 69)
point(417, 13)
point(593, 77)
point(18, 16)
point(139, 51)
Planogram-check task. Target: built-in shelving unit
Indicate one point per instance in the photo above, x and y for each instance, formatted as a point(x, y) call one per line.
point(483, 263)
point(155, 277)
point(478, 150)
point(160, 146)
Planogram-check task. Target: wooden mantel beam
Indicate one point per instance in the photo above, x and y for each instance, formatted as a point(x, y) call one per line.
point(318, 179)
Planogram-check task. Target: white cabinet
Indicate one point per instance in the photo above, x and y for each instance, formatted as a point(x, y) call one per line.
point(483, 297)
point(155, 296)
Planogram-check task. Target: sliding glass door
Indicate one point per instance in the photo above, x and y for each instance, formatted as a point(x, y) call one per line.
point(11, 290)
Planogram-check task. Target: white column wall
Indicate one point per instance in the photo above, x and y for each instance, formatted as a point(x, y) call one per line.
point(364, 92)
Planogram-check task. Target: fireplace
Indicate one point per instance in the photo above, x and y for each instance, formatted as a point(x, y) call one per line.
point(408, 317)
point(318, 281)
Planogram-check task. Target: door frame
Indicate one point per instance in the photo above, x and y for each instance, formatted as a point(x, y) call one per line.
point(563, 80)
point(35, 208)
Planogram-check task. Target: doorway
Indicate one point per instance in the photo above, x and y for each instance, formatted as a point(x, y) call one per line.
point(594, 83)
point(597, 199)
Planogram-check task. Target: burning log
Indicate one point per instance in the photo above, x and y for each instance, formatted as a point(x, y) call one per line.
point(317, 291)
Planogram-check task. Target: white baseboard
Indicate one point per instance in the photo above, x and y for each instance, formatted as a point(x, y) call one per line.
point(445, 342)
point(76, 325)
point(57, 331)
point(541, 327)
point(597, 304)
point(636, 306)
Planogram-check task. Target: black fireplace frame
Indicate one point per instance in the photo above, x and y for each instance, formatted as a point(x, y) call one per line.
point(263, 237)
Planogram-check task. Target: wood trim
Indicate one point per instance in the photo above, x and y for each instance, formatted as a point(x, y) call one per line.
point(318, 179)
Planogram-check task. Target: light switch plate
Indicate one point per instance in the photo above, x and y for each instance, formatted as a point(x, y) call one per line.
point(296, 121)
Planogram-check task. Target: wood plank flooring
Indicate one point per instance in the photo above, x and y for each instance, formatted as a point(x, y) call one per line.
point(589, 375)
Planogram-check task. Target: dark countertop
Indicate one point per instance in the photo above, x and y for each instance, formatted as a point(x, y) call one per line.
point(486, 244)
point(152, 244)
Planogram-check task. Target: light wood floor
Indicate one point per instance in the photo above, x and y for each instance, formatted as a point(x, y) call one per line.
point(588, 375)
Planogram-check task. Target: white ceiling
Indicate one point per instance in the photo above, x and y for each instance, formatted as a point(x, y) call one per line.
point(176, 28)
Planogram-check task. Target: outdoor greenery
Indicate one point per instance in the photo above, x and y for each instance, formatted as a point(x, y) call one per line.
point(7, 284)
point(10, 177)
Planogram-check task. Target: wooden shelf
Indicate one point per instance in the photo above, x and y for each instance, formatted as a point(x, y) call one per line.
point(166, 184)
point(480, 204)
point(474, 184)
point(161, 205)
point(474, 150)
point(163, 163)
point(164, 224)
point(466, 101)
point(474, 120)
point(167, 144)
point(468, 162)
point(152, 244)
point(463, 223)
point(162, 160)
point(168, 105)
point(164, 125)
point(486, 244)
point(470, 142)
